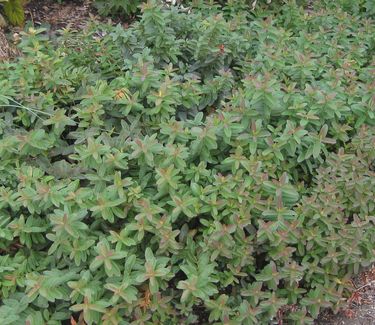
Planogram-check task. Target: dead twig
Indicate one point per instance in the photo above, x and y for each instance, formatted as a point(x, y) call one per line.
point(365, 285)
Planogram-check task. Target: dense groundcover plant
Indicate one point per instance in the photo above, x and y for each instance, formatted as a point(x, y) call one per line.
point(210, 167)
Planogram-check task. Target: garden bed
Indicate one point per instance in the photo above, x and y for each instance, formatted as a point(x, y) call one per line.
point(206, 166)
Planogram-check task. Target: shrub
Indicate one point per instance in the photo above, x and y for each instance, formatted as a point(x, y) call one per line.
point(117, 7)
point(363, 7)
point(13, 11)
point(211, 167)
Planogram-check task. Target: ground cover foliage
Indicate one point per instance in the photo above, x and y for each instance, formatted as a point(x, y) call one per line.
point(215, 166)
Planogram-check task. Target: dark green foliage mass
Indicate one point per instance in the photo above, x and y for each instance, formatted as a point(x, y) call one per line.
point(210, 167)
point(117, 7)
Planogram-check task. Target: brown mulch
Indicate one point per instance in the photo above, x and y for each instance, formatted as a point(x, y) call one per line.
point(7, 49)
point(74, 14)
point(4, 46)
